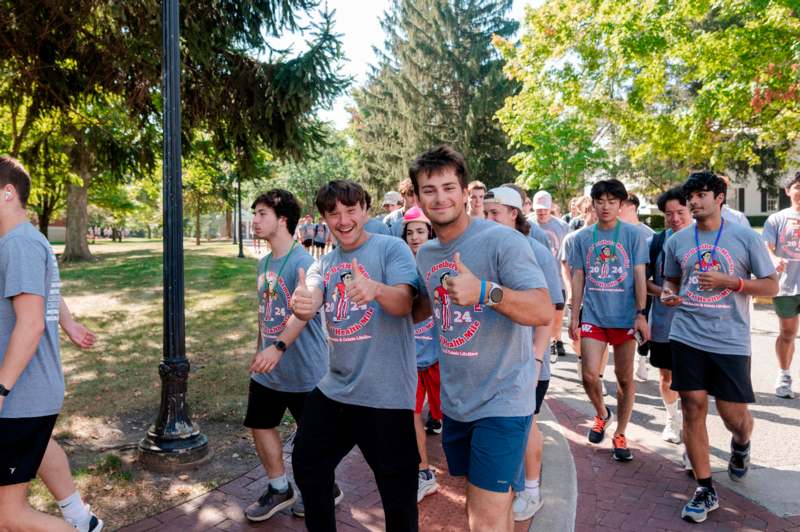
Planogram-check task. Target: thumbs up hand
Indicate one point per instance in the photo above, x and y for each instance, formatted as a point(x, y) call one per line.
point(464, 288)
point(302, 303)
point(360, 290)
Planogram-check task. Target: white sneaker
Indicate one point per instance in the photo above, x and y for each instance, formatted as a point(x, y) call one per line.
point(783, 386)
point(672, 430)
point(427, 484)
point(605, 390)
point(526, 505)
point(641, 368)
point(91, 524)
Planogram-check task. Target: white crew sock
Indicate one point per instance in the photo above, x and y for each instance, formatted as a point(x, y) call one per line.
point(280, 483)
point(532, 486)
point(783, 372)
point(672, 409)
point(74, 510)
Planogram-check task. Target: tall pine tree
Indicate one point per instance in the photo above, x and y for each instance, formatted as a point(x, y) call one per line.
point(438, 80)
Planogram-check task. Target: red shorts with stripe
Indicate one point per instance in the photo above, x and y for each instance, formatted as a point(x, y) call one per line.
point(429, 383)
point(609, 335)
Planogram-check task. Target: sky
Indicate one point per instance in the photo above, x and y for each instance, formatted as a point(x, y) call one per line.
point(358, 21)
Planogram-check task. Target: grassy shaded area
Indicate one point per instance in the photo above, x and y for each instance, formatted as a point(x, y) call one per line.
point(113, 390)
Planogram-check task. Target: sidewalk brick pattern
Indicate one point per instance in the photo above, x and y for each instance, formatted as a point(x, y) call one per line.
point(222, 509)
point(647, 493)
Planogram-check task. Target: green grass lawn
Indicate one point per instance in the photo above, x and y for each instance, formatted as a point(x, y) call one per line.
point(113, 390)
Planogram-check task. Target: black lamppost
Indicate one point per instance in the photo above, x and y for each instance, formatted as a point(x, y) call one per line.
point(239, 212)
point(173, 440)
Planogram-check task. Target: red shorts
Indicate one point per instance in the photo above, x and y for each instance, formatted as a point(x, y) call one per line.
point(609, 335)
point(429, 383)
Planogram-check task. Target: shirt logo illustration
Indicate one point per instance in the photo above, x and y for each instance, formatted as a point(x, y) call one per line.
point(451, 319)
point(422, 332)
point(789, 239)
point(695, 295)
point(270, 308)
point(607, 267)
point(553, 238)
point(345, 318)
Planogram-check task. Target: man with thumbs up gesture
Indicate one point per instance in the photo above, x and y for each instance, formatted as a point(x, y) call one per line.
point(496, 292)
point(367, 398)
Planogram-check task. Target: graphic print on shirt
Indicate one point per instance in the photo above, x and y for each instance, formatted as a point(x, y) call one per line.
point(456, 325)
point(424, 331)
point(346, 319)
point(696, 296)
point(554, 243)
point(275, 315)
point(789, 239)
point(606, 269)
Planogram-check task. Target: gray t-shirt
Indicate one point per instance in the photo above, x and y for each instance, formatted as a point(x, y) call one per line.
point(305, 361)
point(717, 321)
point(660, 319)
point(645, 229)
point(377, 227)
point(552, 277)
point(306, 231)
point(609, 297)
point(373, 359)
point(556, 230)
point(28, 266)
point(782, 230)
point(732, 215)
point(486, 360)
point(394, 220)
point(539, 235)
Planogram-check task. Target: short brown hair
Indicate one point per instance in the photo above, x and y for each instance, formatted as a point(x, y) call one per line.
point(406, 187)
point(345, 192)
point(13, 173)
point(435, 159)
point(476, 184)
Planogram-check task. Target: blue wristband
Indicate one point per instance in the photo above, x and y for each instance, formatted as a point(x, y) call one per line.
point(483, 291)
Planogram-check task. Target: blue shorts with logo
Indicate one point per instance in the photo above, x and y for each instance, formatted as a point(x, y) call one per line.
point(489, 451)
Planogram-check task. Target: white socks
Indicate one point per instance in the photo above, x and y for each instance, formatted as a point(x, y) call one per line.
point(74, 510)
point(280, 483)
point(783, 372)
point(532, 487)
point(672, 410)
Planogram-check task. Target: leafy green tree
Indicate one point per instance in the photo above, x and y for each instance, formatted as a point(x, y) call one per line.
point(439, 80)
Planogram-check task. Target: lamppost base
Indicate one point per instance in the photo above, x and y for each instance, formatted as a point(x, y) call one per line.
point(167, 456)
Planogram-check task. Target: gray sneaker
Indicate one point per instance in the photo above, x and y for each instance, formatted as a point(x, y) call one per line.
point(783, 386)
point(427, 484)
point(526, 505)
point(299, 509)
point(270, 503)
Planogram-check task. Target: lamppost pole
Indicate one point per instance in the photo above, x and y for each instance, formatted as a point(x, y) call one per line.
point(239, 211)
point(173, 440)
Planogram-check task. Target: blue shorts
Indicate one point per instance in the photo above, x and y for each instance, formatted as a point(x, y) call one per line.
point(489, 451)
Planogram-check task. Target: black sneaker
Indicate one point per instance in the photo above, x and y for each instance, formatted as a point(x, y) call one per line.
point(299, 509)
point(598, 430)
point(703, 502)
point(433, 426)
point(739, 463)
point(621, 451)
point(560, 348)
point(270, 503)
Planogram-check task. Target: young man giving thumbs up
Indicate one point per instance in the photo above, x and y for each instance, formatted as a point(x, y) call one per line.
point(367, 398)
point(485, 289)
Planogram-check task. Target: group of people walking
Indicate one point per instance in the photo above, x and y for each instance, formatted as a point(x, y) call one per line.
point(454, 299)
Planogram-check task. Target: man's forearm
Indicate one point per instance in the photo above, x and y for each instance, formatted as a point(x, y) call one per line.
point(653, 289)
point(21, 347)
point(526, 307)
point(541, 341)
point(640, 282)
point(577, 291)
point(395, 300)
point(294, 327)
point(421, 308)
point(64, 314)
point(767, 286)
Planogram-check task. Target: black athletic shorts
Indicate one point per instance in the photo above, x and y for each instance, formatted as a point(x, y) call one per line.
point(541, 390)
point(560, 306)
point(265, 406)
point(23, 442)
point(726, 377)
point(307, 243)
point(661, 355)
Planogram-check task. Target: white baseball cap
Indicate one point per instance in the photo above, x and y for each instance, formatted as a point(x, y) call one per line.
point(542, 200)
point(392, 198)
point(504, 196)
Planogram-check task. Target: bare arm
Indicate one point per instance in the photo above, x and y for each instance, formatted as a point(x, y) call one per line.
point(28, 330)
point(396, 300)
point(541, 342)
point(531, 307)
point(266, 360)
point(77, 333)
point(577, 300)
point(640, 284)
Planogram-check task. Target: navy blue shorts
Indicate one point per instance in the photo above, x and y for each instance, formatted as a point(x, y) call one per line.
point(489, 451)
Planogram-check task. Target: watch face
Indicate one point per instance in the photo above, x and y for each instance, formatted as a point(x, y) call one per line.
point(496, 295)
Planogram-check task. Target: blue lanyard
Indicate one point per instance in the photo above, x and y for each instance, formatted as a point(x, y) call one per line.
point(713, 249)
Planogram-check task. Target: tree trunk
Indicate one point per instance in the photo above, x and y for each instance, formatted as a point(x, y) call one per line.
point(149, 232)
point(77, 248)
point(44, 222)
point(197, 226)
point(228, 223)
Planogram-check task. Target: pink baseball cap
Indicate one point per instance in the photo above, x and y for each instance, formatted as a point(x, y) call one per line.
point(415, 214)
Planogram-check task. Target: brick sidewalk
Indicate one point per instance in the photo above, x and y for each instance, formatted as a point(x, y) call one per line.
point(647, 493)
point(222, 509)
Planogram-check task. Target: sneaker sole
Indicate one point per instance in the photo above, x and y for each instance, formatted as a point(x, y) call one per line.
point(623, 459)
point(785, 395)
point(282, 506)
point(429, 490)
point(688, 517)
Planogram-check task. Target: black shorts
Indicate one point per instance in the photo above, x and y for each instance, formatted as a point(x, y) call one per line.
point(560, 306)
point(661, 355)
point(319, 244)
point(265, 406)
point(541, 390)
point(23, 442)
point(726, 377)
point(307, 243)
